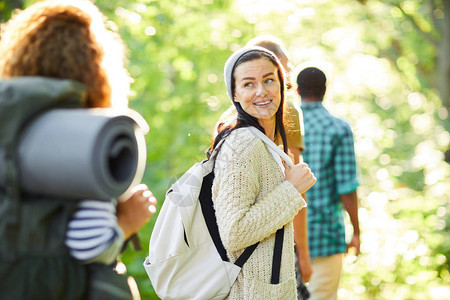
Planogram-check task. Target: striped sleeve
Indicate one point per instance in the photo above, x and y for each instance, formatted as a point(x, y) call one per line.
point(93, 234)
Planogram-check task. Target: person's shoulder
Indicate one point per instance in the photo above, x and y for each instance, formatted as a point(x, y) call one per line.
point(339, 121)
point(292, 104)
point(242, 141)
point(332, 123)
point(333, 118)
point(292, 110)
point(240, 148)
point(340, 126)
point(243, 134)
point(229, 114)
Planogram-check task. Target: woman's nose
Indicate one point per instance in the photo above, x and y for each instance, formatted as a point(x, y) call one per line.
point(262, 91)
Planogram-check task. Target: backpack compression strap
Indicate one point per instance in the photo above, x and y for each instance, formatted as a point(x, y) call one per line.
point(278, 249)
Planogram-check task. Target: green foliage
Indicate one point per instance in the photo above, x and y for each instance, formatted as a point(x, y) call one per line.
point(381, 77)
point(7, 8)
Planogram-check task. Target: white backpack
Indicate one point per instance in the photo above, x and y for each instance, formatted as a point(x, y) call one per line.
point(187, 259)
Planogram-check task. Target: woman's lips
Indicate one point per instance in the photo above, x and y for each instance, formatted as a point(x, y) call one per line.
point(263, 103)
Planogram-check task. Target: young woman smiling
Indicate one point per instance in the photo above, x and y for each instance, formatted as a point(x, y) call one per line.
point(254, 197)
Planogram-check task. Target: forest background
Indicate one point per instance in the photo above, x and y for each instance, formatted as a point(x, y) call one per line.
point(388, 69)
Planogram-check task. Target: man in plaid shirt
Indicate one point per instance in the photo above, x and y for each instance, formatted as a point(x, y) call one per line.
point(329, 152)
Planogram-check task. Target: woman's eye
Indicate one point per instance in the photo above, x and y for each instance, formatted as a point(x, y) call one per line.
point(269, 80)
point(248, 84)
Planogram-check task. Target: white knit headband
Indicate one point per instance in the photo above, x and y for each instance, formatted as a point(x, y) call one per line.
point(231, 62)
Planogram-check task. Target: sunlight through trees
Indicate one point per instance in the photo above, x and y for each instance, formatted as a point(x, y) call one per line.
point(388, 67)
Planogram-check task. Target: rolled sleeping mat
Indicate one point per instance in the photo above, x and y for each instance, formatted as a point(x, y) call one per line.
point(81, 154)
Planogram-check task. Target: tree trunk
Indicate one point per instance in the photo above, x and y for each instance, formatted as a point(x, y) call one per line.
point(443, 60)
point(444, 68)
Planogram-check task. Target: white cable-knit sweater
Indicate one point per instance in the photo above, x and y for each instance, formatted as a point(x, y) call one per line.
point(253, 200)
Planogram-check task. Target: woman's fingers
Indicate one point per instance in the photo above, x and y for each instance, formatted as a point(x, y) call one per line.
point(301, 176)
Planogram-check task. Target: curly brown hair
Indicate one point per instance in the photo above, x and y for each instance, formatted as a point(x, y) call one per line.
point(66, 39)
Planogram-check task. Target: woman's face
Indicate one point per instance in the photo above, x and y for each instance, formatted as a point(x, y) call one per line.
point(257, 88)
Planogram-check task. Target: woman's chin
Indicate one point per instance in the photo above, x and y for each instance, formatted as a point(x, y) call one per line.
point(264, 114)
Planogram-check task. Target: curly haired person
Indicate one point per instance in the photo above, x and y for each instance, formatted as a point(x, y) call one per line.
point(55, 53)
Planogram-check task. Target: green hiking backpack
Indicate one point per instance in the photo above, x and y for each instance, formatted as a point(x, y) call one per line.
point(34, 261)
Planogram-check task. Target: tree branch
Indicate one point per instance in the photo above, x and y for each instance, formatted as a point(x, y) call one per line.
point(426, 35)
point(438, 24)
point(432, 16)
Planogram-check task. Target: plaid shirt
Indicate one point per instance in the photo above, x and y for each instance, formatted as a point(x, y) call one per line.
point(329, 152)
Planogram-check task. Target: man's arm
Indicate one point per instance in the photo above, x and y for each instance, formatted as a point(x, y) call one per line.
point(301, 243)
point(346, 179)
point(301, 232)
point(350, 203)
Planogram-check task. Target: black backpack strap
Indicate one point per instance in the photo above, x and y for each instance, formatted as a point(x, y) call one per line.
point(277, 251)
point(245, 255)
point(209, 214)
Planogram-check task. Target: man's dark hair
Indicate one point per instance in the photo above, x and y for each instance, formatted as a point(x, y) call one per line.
point(311, 83)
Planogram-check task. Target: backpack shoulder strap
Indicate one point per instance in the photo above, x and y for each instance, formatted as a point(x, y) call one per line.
point(272, 145)
point(276, 260)
point(209, 214)
point(21, 100)
point(278, 249)
point(216, 150)
point(245, 255)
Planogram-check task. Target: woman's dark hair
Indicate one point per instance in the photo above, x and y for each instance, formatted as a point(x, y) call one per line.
point(243, 119)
